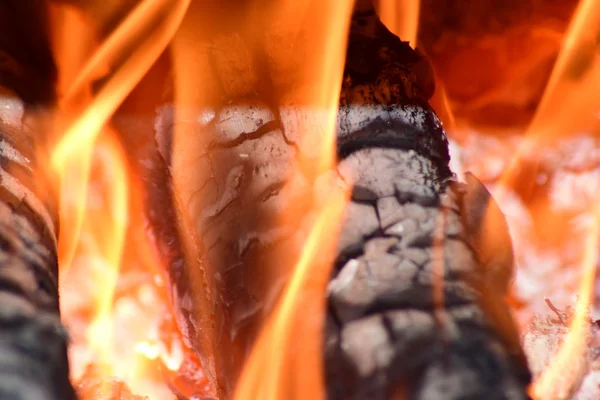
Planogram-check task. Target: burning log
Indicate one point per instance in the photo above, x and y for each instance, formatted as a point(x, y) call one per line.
point(423, 262)
point(33, 357)
point(416, 298)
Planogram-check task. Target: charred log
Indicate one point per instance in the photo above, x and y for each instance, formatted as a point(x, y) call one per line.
point(416, 301)
point(33, 357)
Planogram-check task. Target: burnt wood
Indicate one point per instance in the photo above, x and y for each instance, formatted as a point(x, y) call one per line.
point(33, 342)
point(415, 303)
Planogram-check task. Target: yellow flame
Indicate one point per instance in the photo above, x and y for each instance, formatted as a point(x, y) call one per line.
point(110, 235)
point(554, 382)
point(294, 371)
point(123, 58)
point(134, 46)
point(286, 361)
point(402, 18)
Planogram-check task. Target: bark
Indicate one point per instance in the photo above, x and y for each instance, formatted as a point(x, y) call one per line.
point(33, 357)
point(391, 330)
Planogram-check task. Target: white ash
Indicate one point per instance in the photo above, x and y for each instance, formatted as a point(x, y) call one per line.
point(8, 151)
point(544, 337)
point(574, 191)
point(455, 160)
point(12, 108)
point(590, 388)
point(486, 156)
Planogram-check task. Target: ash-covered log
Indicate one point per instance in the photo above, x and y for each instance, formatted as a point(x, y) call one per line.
point(416, 299)
point(33, 356)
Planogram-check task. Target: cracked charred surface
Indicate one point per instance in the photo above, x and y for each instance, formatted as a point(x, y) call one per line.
point(391, 328)
point(387, 328)
point(415, 302)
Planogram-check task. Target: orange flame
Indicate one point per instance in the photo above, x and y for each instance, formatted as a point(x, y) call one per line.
point(130, 51)
point(125, 56)
point(295, 371)
point(577, 71)
point(402, 18)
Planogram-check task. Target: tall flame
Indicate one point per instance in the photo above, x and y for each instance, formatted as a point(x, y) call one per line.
point(286, 361)
point(297, 372)
point(571, 101)
point(130, 51)
point(109, 232)
point(122, 59)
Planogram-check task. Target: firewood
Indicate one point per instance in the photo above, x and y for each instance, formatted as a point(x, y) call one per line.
point(387, 336)
point(33, 356)
point(390, 330)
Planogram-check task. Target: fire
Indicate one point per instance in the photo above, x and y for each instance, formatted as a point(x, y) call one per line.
point(143, 36)
point(402, 18)
point(94, 220)
point(577, 71)
point(321, 46)
point(276, 352)
point(94, 237)
point(570, 104)
point(111, 239)
point(560, 112)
